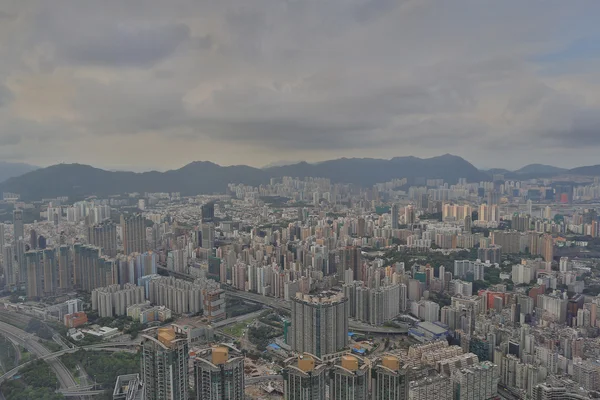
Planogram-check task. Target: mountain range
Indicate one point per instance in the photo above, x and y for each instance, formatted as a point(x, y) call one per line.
point(77, 180)
point(10, 170)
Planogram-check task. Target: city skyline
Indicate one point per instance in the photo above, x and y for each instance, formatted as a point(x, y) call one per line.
point(235, 84)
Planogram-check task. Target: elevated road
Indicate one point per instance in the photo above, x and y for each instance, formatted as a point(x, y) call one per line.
point(49, 357)
point(280, 304)
point(235, 320)
point(27, 340)
point(80, 392)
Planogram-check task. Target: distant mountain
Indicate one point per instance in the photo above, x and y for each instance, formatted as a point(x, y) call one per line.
point(591, 170)
point(9, 170)
point(540, 169)
point(367, 171)
point(76, 180)
point(493, 171)
point(280, 163)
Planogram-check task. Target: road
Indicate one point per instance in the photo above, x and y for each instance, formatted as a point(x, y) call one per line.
point(235, 320)
point(264, 378)
point(280, 304)
point(114, 347)
point(506, 394)
point(27, 340)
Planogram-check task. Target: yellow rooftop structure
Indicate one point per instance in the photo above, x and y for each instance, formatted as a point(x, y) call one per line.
point(166, 336)
point(350, 363)
point(391, 362)
point(220, 355)
point(306, 363)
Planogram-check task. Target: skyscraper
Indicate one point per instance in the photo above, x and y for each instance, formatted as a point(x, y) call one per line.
point(208, 212)
point(319, 324)
point(208, 236)
point(478, 381)
point(351, 258)
point(64, 268)
point(33, 239)
point(390, 381)
point(19, 256)
point(18, 228)
point(50, 277)
point(409, 215)
point(304, 378)
point(165, 365)
point(395, 211)
point(9, 271)
point(219, 374)
point(104, 235)
point(34, 262)
point(349, 379)
point(468, 223)
point(2, 242)
point(133, 229)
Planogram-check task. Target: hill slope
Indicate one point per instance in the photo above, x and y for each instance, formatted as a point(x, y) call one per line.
point(540, 169)
point(75, 180)
point(9, 170)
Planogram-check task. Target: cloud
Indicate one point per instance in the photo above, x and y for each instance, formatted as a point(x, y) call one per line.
point(6, 96)
point(126, 46)
point(309, 79)
point(9, 139)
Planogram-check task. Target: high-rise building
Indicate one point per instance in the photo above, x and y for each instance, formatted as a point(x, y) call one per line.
point(2, 240)
point(390, 381)
point(219, 374)
point(351, 259)
point(165, 365)
point(468, 223)
point(208, 236)
point(395, 210)
point(479, 381)
point(10, 273)
point(113, 300)
point(50, 277)
point(133, 230)
point(104, 235)
point(361, 227)
point(92, 270)
point(65, 268)
point(349, 379)
point(319, 324)
point(18, 228)
point(19, 254)
point(182, 297)
point(304, 378)
point(33, 239)
point(208, 212)
point(34, 263)
point(409, 215)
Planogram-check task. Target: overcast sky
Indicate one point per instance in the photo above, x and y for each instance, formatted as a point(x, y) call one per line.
point(136, 84)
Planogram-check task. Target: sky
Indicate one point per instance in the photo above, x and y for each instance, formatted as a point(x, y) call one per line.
point(142, 84)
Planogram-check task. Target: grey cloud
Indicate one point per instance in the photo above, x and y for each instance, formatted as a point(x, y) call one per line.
point(582, 130)
point(6, 96)
point(127, 46)
point(338, 75)
point(10, 139)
